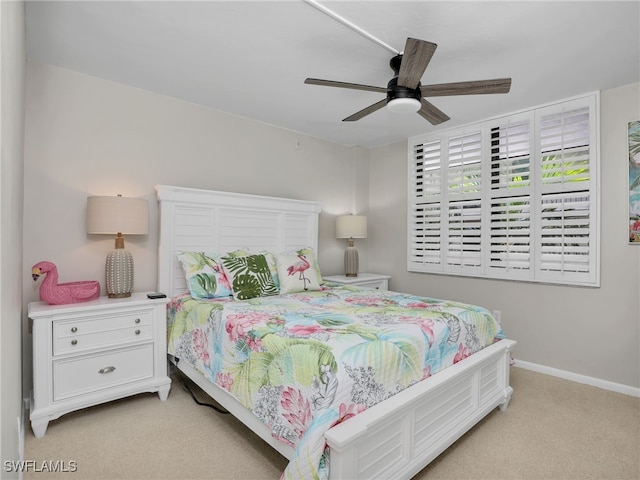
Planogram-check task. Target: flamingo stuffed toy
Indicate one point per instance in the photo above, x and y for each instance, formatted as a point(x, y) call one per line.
point(56, 293)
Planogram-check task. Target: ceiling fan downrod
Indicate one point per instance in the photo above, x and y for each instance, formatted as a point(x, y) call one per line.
point(350, 25)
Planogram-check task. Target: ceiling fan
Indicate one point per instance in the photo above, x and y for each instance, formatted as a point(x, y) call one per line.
point(405, 93)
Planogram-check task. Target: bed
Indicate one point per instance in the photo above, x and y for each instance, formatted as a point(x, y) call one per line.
point(394, 436)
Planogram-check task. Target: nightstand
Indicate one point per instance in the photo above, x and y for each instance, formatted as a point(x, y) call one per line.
point(94, 352)
point(367, 280)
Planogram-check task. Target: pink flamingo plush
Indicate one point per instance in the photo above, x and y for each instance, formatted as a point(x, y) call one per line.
point(300, 267)
point(56, 293)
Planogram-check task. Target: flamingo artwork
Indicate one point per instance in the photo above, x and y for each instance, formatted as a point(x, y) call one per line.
point(300, 267)
point(55, 293)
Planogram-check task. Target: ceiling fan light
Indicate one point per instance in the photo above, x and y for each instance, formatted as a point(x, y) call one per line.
point(404, 105)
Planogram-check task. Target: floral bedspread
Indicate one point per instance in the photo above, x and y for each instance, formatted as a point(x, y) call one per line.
point(304, 362)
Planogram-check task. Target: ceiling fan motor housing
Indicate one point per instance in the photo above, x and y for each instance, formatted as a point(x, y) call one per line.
point(398, 91)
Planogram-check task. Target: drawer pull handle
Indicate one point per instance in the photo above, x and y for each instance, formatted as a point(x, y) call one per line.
point(137, 320)
point(137, 332)
point(74, 342)
point(106, 370)
point(74, 329)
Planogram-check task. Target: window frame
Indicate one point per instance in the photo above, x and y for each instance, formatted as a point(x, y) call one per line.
point(428, 191)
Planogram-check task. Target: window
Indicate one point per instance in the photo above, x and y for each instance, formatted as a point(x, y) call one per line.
point(513, 197)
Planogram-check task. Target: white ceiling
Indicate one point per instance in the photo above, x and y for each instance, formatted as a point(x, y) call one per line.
point(250, 58)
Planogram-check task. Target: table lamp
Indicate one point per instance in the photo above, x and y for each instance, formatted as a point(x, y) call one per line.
point(351, 226)
point(118, 215)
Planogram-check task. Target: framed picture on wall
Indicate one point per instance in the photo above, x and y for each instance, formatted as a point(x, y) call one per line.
point(634, 181)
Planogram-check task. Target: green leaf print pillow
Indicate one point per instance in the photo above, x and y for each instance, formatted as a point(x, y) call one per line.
point(204, 275)
point(250, 276)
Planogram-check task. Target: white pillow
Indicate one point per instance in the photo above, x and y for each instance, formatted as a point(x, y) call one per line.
point(310, 255)
point(296, 274)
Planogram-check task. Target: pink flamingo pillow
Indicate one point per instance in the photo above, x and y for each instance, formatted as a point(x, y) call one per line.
point(55, 293)
point(296, 274)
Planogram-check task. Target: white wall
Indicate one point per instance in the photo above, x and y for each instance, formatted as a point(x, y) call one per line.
point(588, 331)
point(87, 136)
point(12, 73)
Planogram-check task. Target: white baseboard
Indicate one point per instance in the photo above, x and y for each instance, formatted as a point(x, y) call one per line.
point(575, 377)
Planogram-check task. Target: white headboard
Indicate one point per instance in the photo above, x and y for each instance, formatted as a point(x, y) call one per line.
point(208, 221)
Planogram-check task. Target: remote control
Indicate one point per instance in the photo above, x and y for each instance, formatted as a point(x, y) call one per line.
point(156, 295)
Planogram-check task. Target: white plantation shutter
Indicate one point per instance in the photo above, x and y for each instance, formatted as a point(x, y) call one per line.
point(510, 193)
point(426, 246)
point(464, 234)
point(464, 165)
point(464, 202)
point(567, 234)
point(564, 232)
point(510, 249)
point(512, 198)
point(425, 214)
point(429, 171)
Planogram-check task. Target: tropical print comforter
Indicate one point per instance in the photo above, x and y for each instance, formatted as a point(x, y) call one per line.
point(304, 362)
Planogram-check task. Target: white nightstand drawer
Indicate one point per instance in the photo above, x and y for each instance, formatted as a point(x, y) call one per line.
point(71, 336)
point(90, 373)
point(379, 285)
point(366, 280)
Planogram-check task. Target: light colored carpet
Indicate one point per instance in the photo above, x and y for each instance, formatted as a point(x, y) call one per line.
point(553, 429)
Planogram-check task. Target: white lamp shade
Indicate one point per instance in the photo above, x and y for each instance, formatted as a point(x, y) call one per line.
point(351, 226)
point(109, 215)
point(404, 105)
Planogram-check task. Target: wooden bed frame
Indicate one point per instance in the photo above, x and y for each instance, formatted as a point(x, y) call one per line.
point(394, 439)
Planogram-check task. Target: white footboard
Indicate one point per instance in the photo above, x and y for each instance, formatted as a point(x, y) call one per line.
point(400, 436)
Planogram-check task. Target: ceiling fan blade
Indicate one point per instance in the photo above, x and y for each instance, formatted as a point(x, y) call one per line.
point(477, 87)
point(431, 113)
point(354, 86)
point(415, 58)
point(366, 111)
